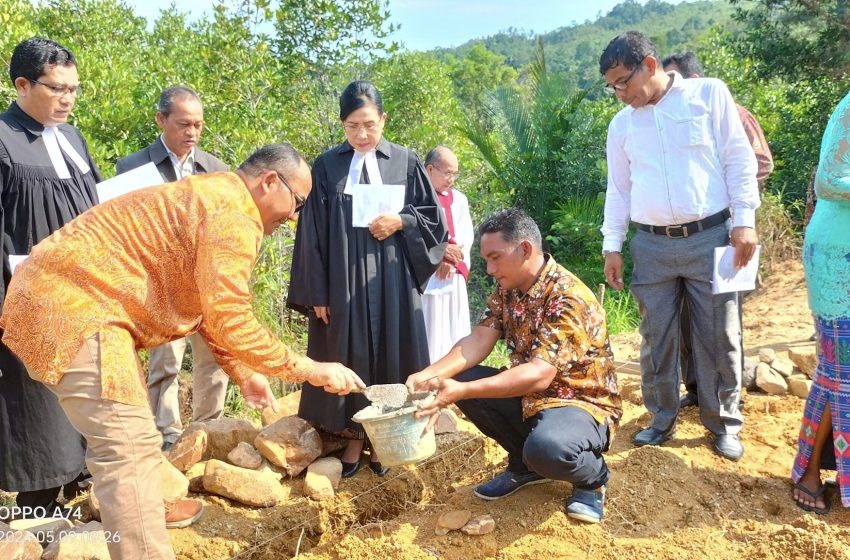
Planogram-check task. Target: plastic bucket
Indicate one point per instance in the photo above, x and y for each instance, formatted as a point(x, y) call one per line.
point(397, 436)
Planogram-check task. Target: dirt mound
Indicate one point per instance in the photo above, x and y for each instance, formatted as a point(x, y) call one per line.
point(678, 501)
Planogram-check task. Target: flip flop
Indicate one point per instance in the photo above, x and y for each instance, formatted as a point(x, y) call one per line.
point(814, 496)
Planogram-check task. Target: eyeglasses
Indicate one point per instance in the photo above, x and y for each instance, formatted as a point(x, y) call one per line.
point(59, 91)
point(369, 127)
point(447, 174)
point(300, 201)
point(621, 86)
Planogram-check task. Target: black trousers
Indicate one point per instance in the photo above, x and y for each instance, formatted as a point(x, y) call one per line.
point(564, 443)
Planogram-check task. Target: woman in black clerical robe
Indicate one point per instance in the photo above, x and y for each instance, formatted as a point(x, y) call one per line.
point(361, 286)
point(47, 178)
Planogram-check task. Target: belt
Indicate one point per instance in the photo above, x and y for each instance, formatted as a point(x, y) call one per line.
point(680, 231)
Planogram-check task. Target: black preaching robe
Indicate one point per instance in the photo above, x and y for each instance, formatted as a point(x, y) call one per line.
point(39, 449)
point(371, 287)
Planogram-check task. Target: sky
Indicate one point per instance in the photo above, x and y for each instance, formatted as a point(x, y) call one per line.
point(427, 24)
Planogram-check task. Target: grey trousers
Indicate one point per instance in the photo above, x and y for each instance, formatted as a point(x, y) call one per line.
point(209, 384)
point(666, 271)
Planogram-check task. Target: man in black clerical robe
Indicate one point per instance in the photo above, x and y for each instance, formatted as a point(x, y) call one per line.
point(372, 287)
point(47, 178)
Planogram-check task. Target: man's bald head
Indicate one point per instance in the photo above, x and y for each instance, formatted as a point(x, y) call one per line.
point(442, 167)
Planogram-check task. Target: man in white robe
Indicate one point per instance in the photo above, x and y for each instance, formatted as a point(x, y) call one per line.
point(445, 303)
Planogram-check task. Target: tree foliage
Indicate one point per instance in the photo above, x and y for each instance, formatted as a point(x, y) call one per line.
point(546, 141)
point(795, 38)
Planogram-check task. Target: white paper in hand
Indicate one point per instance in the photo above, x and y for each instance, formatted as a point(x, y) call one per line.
point(369, 201)
point(133, 180)
point(727, 278)
point(438, 287)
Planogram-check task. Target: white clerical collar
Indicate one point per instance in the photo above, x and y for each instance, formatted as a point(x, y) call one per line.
point(355, 169)
point(56, 144)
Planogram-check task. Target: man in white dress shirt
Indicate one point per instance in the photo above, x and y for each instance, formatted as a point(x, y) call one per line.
point(680, 166)
point(445, 302)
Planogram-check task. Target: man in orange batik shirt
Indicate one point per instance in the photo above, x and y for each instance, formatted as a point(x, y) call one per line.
point(137, 271)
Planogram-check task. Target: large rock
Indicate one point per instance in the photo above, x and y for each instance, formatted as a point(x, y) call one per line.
point(175, 485)
point(769, 381)
point(195, 474)
point(447, 422)
point(287, 405)
point(244, 455)
point(224, 434)
point(805, 358)
point(799, 386)
point(86, 542)
point(332, 443)
point(748, 374)
point(189, 447)
point(290, 443)
point(323, 478)
point(767, 355)
point(18, 545)
point(783, 367)
point(252, 488)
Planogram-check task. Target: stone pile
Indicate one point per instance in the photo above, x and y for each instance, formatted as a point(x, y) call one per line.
point(776, 375)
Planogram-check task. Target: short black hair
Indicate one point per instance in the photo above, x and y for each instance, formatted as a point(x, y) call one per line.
point(435, 156)
point(514, 225)
point(357, 95)
point(171, 94)
point(282, 158)
point(687, 63)
point(628, 49)
point(33, 57)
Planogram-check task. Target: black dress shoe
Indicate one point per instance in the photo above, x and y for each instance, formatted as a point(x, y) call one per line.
point(378, 469)
point(350, 469)
point(651, 436)
point(688, 399)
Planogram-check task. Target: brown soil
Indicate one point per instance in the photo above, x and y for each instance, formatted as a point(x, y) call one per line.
point(678, 501)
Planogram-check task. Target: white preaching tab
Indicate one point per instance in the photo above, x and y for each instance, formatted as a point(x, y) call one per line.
point(369, 201)
point(727, 278)
point(15, 260)
point(133, 180)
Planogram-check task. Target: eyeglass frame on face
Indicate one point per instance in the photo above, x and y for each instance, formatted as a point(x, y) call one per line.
point(300, 201)
point(59, 91)
point(621, 86)
point(369, 127)
point(447, 174)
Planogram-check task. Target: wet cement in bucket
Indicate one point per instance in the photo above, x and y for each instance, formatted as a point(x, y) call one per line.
point(391, 396)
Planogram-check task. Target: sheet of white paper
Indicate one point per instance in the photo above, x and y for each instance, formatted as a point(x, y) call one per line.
point(437, 287)
point(133, 180)
point(727, 278)
point(15, 260)
point(368, 201)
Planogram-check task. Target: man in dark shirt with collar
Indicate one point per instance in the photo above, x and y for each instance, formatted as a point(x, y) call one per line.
point(176, 155)
point(561, 371)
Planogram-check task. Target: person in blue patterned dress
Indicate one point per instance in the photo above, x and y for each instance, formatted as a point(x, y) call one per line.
point(826, 258)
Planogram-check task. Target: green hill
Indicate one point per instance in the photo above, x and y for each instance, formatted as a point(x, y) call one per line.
point(574, 50)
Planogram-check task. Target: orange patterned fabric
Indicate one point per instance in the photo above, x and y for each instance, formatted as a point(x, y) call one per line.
point(560, 322)
point(143, 269)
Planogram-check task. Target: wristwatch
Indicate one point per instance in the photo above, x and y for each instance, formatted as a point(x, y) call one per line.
point(605, 253)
